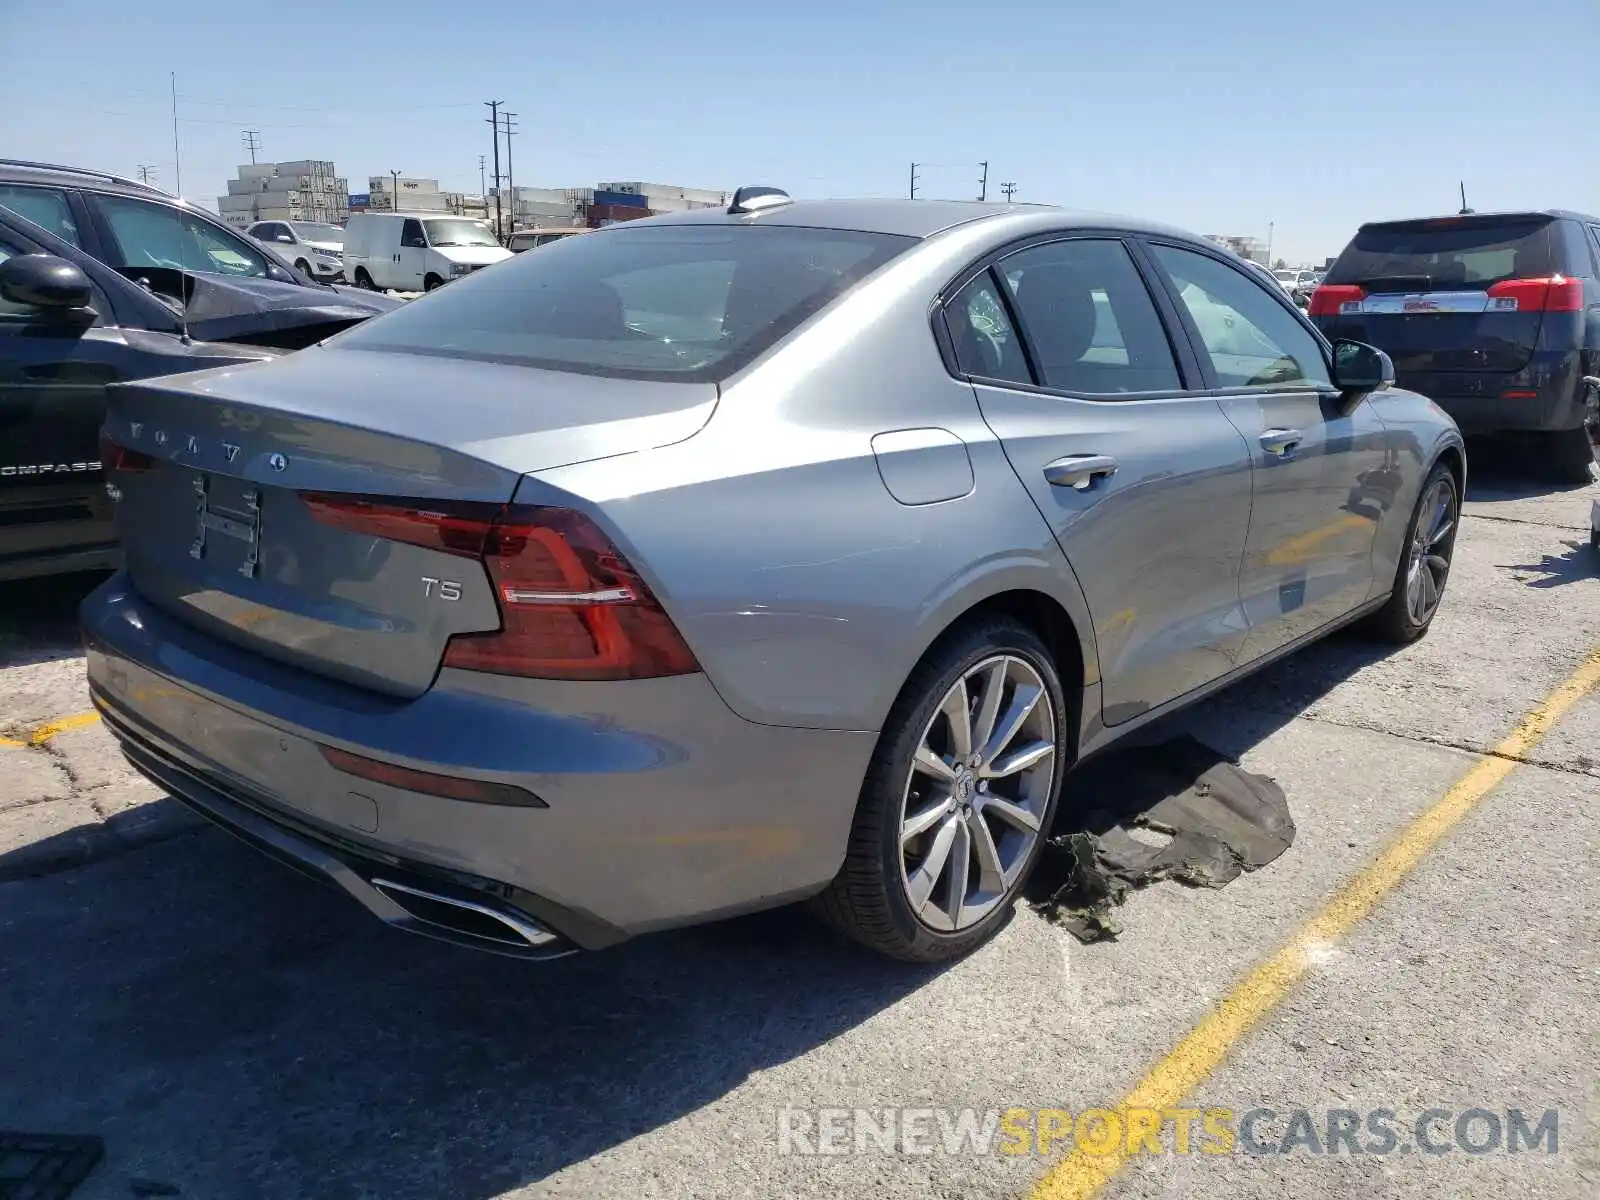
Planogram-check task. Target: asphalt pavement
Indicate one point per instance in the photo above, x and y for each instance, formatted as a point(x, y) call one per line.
point(233, 1030)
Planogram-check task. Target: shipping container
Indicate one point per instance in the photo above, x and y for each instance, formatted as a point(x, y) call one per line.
point(619, 199)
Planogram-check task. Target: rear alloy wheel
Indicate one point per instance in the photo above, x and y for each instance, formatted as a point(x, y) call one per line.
point(1571, 455)
point(958, 799)
point(1425, 563)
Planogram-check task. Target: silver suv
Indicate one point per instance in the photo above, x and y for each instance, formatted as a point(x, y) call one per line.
point(316, 250)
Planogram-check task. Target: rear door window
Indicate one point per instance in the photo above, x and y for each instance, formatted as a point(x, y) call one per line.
point(1089, 319)
point(1446, 254)
point(985, 342)
point(46, 207)
point(673, 302)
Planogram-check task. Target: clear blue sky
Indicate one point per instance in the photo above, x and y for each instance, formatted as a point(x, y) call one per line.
point(1217, 116)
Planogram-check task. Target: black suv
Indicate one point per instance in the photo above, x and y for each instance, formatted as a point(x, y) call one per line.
point(109, 280)
point(1496, 316)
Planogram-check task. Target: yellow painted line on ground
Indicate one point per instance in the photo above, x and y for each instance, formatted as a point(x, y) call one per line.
point(43, 733)
point(1080, 1175)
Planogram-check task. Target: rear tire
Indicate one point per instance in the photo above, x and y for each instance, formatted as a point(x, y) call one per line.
point(431, 282)
point(931, 785)
point(1425, 561)
point(1571, 455)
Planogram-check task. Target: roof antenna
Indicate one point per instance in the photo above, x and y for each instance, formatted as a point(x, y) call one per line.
point(1465, 211)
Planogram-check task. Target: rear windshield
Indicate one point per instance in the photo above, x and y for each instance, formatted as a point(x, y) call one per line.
point(1446, 254)
point(675, 302)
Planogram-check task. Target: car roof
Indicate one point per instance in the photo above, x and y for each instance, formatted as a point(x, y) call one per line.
point(909, 218)
point(17, 171)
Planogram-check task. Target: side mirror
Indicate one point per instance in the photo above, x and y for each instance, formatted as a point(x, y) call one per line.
point(1359, 369)
point(45, 281)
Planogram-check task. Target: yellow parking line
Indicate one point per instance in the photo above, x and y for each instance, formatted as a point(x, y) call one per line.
point(43, 733)
point(1080, 1175)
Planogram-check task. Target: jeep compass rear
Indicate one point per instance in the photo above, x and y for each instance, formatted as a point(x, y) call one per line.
point(1496, 316)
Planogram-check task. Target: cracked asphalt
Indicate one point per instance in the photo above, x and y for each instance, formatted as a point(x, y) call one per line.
point(234, 1030)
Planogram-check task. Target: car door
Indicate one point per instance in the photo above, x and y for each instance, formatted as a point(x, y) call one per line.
point(412, 258)
point(1145, 485)
point(1308, 559)
point(53, 373)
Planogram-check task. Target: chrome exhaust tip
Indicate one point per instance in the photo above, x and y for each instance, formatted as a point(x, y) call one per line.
point(459, 919)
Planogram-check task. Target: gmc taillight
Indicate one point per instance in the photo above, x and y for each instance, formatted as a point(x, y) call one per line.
point(1329, 300)
point(1555, 293)
point(571, 605)
point(116, 457)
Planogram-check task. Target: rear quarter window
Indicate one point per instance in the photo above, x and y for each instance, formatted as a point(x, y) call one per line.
point(674, 302)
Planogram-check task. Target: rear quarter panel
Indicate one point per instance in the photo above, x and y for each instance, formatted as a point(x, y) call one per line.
point(1419, 432)
point(807, 591)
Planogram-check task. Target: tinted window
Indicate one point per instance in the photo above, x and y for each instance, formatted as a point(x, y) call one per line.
point(675, 302)
point(1444, 254)
point(985, 343)
point(46, 207)
point(411, 234)
point(1089, 320)
point(156, 235)
point(1252, 339)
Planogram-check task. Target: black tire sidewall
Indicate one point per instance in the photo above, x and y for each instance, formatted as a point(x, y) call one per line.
point(1398, 596)
point(432, 283)
point(888, 779)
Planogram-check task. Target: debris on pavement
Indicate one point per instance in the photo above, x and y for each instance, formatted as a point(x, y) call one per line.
point(45, 1166)
point(1177, 810)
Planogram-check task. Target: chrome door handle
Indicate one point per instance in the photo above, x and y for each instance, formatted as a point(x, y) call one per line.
point(1080, 470)
point(1282, 442)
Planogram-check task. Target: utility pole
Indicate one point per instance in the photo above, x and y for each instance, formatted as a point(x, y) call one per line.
point(146, 172)
point(494, 120)
point(983, 182)
point(913, 181)
point(511, 179)
point(1010, 189)
point(394, 195)
point(1269, 244)
point(177, 169)
point(251, 138)
point(483, 184)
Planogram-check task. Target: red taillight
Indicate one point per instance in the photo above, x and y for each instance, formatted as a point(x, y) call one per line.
point(114, 457)
point(1329, 299)
point(455, 528)
point(450, 786)
point(572, 606)
point(1556, 293)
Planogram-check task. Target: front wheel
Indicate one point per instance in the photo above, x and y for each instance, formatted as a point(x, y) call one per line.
point(958, 798)
point(431, 282)
point(1424, 563)
point(363, 280)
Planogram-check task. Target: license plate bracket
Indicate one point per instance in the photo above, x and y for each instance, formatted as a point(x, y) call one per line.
point(243, 524)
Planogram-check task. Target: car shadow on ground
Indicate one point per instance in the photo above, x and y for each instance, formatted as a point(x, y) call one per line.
point(1501, 470)
point(39, 617)
point(234, 1029)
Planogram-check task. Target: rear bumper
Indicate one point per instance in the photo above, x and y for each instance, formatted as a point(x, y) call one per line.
point(101, 556)
point(1479, 403)
point(664, 807)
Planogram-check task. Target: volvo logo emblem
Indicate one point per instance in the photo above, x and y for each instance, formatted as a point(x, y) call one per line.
point(277, 462)
point(230, 450)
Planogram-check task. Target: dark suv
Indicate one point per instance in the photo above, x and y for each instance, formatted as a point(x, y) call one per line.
point(105, 281)
point(1496, 316)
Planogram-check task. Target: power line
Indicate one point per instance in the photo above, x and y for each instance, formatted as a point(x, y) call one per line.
point(251, 139)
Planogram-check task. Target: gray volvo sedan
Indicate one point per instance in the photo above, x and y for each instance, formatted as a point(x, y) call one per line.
point(738, 557)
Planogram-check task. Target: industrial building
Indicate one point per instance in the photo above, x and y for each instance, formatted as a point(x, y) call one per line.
point(1252, 248)
point(304, 190)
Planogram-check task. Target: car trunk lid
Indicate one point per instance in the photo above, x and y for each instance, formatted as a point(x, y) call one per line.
point(231, 483)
